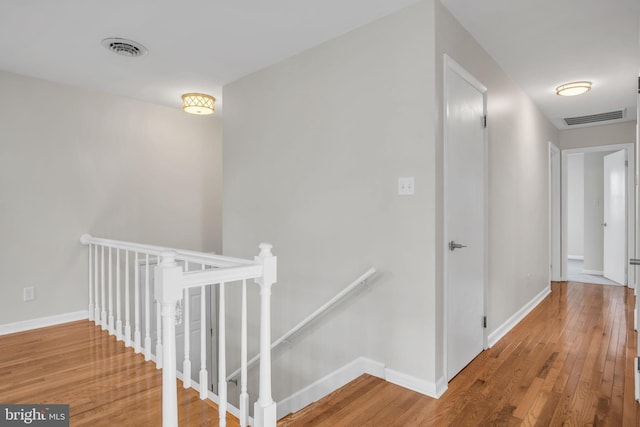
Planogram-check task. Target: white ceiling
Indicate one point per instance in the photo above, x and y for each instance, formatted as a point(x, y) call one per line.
point(194, 45)
point(200, 45)
point(544, 43)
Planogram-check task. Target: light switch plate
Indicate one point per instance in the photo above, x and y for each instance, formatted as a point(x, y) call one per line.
point(406, 186)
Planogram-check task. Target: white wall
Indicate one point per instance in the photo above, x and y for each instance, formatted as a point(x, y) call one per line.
point(593, 136)
point(313, 149)
point(575, 205)
point(518, 164)
point(74, 161)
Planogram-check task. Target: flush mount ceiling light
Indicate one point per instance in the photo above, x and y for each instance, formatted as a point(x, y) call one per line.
point(124, 47)
point(198, 103)
point(573, 88)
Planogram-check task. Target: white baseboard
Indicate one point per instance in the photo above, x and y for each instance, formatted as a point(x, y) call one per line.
point(502, 330)
point(441, 386)
point(42, 322)
point(328, 384)
point(580, 257)
point(421, 386)
point(593, 272)
point(350, 372)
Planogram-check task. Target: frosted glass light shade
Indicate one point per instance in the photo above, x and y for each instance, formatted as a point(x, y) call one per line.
point(573, 88)
point(198, 103)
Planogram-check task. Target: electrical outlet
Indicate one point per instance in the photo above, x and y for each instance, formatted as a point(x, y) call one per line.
point(29, 293)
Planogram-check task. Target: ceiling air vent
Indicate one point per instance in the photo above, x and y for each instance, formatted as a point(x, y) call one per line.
point(594, 118)
point(124, 47)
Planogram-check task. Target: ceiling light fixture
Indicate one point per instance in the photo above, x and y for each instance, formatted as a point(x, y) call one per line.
point(573, 88)
point(198, 103)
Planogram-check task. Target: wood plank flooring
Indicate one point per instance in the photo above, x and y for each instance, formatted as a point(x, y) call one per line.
point(104, 383)
point(569, 363)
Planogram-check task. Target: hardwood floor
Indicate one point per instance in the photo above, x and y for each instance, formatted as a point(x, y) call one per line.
point(104, 383)
point(570, 362)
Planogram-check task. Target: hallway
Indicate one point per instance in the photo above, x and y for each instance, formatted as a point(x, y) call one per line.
point(570, 362)
point(575, 274)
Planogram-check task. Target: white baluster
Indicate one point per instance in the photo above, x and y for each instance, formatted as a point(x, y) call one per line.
point(158, 335)
point(204, 377)
point(167, 290)
point(91, 305)
point(136, 305)
point(264, 409)
point(96, 284)
point(118, 297)
point(103, 316)
point(111, 327)
point(186, 364)
point(147, 313)
point(244, 395)
point(222, 361)
point(127, 302)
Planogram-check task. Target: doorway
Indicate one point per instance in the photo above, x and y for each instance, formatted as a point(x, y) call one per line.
point(465, 217)
point(586, 194)
point(555, 220)
point(200, 300)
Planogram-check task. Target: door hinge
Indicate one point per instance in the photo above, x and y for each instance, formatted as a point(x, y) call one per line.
point(211, 331)
point(484, 121)
point(484, 321)
point(626, 163)
point(638, 363)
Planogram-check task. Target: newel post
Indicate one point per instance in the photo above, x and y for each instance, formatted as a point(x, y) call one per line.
point(85, 239)
point(168, 290)
point(264, 410)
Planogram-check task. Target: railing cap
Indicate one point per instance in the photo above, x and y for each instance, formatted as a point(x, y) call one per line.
point(265, 249)
point(168, 257)
point(85, 239)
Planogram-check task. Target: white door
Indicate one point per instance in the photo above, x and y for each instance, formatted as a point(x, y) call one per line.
point(464, 217)
point(194, 326)
point(195, 329)
point(615, 211)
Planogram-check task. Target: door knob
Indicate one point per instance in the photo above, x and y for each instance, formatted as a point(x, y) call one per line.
point(453, 245)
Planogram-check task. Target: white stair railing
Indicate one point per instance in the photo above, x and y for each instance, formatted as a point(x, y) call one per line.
point(362, 279)
point(173, 279)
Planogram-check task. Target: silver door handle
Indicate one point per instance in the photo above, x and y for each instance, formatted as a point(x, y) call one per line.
point(453, 245)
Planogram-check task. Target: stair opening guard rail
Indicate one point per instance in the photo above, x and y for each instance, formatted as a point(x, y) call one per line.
point(361, 280)
point(173, 278)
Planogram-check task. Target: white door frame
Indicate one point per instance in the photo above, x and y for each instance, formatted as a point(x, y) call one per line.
point(630, 226)
point(449, 63)
point(555, 218)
